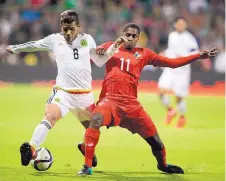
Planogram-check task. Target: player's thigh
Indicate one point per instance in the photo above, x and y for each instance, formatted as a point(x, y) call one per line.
point(57, 104)
point(181, 86)
point(141, 124)
point(165, 80)
point(83, 106)
point(108, 110)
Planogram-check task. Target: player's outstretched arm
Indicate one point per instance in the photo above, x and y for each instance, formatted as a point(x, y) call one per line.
point(161, 61)
point(32, 46)
point(104, 52)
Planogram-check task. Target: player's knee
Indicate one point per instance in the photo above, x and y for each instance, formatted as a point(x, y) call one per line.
point(96, 121)
point(162, 91)
point(161, 94)
point(155, 142)
point(85, 123)
point(179, 99)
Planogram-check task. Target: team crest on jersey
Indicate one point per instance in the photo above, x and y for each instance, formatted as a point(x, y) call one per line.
point(137, 55)
point(57, 99)
point(83, 43)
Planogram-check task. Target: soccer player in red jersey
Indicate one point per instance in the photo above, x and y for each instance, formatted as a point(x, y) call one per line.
point(118, 104)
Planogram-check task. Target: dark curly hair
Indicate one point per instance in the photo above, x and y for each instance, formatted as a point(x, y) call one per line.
point(69, 16)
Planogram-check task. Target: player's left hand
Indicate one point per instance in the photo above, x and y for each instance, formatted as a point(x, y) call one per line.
point(120, 41)
point(208, 53)
point(100, 51)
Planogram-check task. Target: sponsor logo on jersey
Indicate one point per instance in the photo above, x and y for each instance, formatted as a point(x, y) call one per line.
point(83, 43)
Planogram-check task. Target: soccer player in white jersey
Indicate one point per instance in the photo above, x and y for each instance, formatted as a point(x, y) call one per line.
point(72, 91)
point(180, 43)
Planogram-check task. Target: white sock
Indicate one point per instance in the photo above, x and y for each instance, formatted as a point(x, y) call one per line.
point(181, 106)
point(40, 133)
point(165, 100)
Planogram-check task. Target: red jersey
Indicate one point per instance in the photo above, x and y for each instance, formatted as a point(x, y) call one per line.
point(123, 69)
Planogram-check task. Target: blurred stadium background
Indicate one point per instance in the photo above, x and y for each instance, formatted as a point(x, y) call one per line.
point(199, 148)
point(27, 20)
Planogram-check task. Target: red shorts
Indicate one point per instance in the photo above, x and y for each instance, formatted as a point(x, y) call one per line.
point(131, 116)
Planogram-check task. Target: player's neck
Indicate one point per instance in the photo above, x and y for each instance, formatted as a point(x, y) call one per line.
point(126, 49)
point(181, 32)
point(70, 42)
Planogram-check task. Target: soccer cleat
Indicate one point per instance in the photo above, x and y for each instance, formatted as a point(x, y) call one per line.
point(170, 115)
point(94, 163)
point(171, 169)
point(25, 153)
point(85, 171)
point(181, 122)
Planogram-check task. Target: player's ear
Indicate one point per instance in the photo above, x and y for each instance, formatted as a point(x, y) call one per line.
point(79, 25)
point(79, 29)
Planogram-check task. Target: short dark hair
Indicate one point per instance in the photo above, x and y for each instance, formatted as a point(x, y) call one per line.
point(180, 18)
point(131, 25)
point(69, 16)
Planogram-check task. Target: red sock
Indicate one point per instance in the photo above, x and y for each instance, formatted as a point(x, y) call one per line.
point(83, 147)
point(91, 140)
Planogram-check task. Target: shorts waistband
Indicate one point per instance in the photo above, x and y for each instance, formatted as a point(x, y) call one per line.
point(74, 91)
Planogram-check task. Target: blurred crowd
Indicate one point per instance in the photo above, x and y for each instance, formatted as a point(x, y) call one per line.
point(27, 20)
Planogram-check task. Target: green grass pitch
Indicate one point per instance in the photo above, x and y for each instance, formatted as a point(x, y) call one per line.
point(199, 148)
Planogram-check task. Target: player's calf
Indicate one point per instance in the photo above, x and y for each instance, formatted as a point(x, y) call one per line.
point(26, 153)
point(159, 152)
point(82, 150)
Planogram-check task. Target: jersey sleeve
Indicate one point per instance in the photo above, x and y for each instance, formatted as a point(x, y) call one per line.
point(153, 58)
point(193, 46)
point(44, 44)
point(92, 43)
point(100, 60)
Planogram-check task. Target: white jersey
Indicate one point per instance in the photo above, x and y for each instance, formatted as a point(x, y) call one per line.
point(73, 61)
point(180, 45)
point(178, 79)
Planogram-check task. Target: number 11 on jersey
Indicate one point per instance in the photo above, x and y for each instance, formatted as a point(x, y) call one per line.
point(127, 64)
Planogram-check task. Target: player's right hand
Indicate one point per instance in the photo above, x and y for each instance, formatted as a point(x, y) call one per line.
point(121, 40)
point(100, 51)
point(9, 49)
